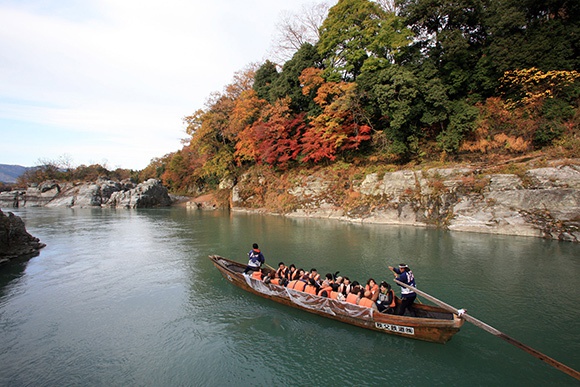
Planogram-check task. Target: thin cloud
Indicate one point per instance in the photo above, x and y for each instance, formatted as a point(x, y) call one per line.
point(113, 79)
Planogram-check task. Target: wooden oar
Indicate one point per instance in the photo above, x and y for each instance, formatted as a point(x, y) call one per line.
point(269, 267)
point(480, 324)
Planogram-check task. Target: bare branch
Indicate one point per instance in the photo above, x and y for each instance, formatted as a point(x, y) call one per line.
point(295, 29)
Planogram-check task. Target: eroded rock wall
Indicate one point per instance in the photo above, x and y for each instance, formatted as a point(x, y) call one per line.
point(542, 202)
point(103, 193)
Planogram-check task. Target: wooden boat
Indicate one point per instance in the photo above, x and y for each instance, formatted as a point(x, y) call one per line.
point(430, 323)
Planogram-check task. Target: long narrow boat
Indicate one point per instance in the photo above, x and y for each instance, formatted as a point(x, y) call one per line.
point(431, 323)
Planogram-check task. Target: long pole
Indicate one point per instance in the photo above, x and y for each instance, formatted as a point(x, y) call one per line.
point(488, 328)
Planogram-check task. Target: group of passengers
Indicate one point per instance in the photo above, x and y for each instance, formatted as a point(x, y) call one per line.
point(372, 295)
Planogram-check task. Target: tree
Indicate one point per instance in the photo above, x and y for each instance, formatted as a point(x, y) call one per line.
point(533, 33)
point(389, 6)
point(246, 111)
point(354, 31)
point(274, 139)
point(266, 75)
point(298, 29)
point(288, 83)
point(338, 128)
point(450, 34)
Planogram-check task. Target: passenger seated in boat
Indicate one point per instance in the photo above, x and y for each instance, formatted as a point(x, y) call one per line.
point(332, 293)
point(353, 285)
point(257, 275)
point(291, 273)
point(311, 287)
point(281, 271)
point(337, 283)
point(386, 302)
point(279, 275)
point(367, 302)
point(314, 275)
point(299, 274)
point(297, 285)
point(327, 287)
point(282, 281)
point(353, 296)
point(373, 290)
point(345, 286)
point(301, 281)
point(328, 279)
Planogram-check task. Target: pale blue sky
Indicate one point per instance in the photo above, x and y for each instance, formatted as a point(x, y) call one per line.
point(109, 81)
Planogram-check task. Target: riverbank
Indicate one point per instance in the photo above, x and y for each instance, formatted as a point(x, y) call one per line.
point(514, 199)
point(100, 193)
point(524, 197)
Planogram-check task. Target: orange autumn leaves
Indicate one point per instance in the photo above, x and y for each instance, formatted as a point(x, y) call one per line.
point(278, 137)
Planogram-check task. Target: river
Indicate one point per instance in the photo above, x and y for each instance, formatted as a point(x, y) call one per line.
point(129, 298)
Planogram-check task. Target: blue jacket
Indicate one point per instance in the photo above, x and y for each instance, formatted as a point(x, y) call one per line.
point(406, 277)
point(256, 258)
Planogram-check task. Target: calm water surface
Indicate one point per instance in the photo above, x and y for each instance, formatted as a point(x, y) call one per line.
point(129, 298)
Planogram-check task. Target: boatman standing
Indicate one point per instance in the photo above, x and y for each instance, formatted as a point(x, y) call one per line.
point(405, 275)
point(256, 259)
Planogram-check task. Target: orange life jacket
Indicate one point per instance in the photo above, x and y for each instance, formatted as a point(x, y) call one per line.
point(297, 285)
point(275, 281)
point(394, 302)
point(366, 302)
point(310, 289)
point(374, 290)
point(352, 298)
point(333, 295)
point(327, 289)
point(257, 275)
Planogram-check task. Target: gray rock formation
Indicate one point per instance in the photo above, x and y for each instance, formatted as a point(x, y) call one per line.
point(15, 241)
point(148, 194)
point(543, 202)
point(96, 194)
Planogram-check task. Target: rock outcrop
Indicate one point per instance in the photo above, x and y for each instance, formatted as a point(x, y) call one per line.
point(103, 193)
point(542, 202)
point(146, 195)
point(15, 241)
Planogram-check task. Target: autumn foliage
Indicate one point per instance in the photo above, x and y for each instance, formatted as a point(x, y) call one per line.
point(336, 129)
point(431, 81)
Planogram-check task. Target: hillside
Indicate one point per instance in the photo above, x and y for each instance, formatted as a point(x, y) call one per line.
point(430, 83)
point(9, 173)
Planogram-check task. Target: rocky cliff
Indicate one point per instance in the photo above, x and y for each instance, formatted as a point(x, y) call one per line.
point(541, 202)
point(15, 241)
point(103, 193)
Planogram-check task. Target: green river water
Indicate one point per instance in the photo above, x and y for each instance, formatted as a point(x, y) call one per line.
point(129, 298)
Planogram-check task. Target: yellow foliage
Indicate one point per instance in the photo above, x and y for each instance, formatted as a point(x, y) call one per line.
point(537, 85)
point(310, 79)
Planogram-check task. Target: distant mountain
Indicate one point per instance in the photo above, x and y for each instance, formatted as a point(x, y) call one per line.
point(9, 173)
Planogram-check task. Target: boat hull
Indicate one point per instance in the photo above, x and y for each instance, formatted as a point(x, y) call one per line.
point(434, 324)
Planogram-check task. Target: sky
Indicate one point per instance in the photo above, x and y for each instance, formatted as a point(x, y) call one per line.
point(109, 81)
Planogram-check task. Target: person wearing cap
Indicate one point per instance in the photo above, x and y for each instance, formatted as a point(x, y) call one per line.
point(256, 259)
point(404, 274)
